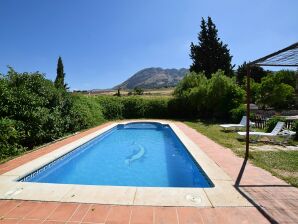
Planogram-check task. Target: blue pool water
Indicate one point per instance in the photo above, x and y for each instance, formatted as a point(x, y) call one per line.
point(135, 154)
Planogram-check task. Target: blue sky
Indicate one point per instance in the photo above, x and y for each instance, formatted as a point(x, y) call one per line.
point(103, 42)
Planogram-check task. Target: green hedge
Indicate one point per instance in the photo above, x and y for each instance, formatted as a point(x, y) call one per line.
point(144, 107)
point(133, 107)
point(157, 108)
point(85, 113)
point(112, 107)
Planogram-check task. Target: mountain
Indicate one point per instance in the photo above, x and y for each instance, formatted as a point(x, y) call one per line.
point(151, 78)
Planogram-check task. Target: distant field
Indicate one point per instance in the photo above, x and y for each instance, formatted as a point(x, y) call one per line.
point(147, 92)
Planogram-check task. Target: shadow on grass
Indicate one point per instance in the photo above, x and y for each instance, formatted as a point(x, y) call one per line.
point(205, 122)
point(229, 131)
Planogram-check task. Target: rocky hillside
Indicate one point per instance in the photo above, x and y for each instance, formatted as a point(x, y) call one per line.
point(151, 78)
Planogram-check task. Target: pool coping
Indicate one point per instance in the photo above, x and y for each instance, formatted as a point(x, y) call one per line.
point(222, 194)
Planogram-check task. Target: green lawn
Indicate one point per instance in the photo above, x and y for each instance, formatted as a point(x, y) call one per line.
point(283, 164)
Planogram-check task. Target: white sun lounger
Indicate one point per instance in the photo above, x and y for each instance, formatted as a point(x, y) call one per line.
point(277, 131)
point(287, 134)
point(242, 124)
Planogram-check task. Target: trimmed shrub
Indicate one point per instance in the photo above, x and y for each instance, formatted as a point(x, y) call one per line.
point(112, 107)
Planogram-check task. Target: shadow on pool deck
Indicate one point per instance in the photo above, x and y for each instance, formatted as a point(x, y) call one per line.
point(251, 200)
point(276, 200)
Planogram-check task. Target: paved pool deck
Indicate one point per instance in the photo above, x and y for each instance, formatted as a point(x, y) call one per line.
point(275, 201)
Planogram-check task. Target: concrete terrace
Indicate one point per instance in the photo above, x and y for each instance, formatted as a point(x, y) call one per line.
point(275, 201)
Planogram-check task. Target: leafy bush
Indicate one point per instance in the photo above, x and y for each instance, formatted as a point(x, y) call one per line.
point(138, 91)
point(191, 80)
point(9, 138)
point(223, 95)
point(213, 98)
point(85, 112)
point(277, 91)
point(254, 89)
point(237, 113)
point(271, 123)
point(36, 104)
point(33, 111)
point(191, 93)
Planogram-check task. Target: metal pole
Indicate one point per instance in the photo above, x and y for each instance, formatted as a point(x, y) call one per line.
point(247, 111)
point(239, 177)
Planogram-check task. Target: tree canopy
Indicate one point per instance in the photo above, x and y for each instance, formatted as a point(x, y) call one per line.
point(256, 73)
point(210, 54)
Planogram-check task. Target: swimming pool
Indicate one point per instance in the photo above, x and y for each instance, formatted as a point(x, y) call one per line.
point(143, 154)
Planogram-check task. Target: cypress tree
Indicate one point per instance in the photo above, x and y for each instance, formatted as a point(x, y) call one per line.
point(210, 54)
point(59, 81)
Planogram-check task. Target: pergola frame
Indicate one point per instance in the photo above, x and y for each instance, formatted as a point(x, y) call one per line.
point(287, 57)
